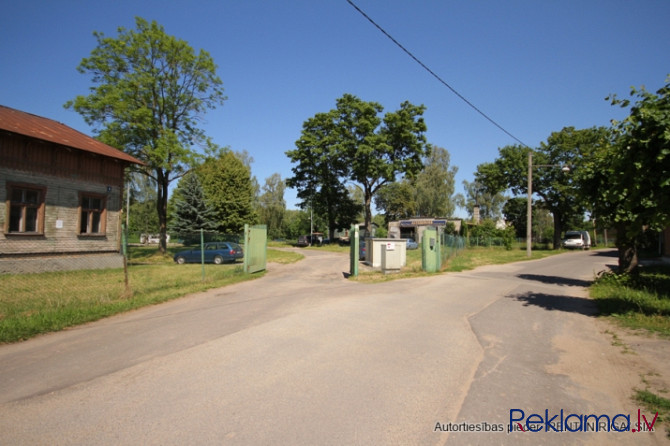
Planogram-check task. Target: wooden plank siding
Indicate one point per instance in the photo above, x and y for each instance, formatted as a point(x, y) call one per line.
point(21, 153)
point(64, 174)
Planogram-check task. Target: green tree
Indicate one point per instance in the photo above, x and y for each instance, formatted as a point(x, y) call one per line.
point(142, 217)
point(151, 90)
point(379, 150)
point(272, 206)
point(382, 228)
point(296, 223)
point(355, 144)
point(514, 211)
point(228, 188)
point(192, 211)
point(397, 200)
point(628, 181)
point(435, 185)
point(318, 173)
point(490, 203)
point(559, 190)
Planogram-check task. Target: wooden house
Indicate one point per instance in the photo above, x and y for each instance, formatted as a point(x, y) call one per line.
point(60, 196)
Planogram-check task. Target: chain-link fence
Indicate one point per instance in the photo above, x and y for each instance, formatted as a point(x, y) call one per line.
point(486, 242)
point(450, 246)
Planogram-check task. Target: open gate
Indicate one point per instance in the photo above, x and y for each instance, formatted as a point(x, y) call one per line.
point(255, 248)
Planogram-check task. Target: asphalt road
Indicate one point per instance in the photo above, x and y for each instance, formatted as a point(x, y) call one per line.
point(303, 356)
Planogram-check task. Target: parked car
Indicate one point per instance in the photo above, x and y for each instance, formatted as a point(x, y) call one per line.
point(316, 239)
point(304, 240)
point(153, 238)
point(215, 252)
point(411, 244)
point(577, 240)
point(361, 250)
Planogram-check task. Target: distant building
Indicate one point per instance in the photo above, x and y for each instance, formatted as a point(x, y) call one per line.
point(60, 196)
point(343, 234)
point(414, 227)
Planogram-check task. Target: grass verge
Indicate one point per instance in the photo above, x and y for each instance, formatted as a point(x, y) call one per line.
point(636, 301)
point(471, 258)
point(466, 259)
point(31, 304)
point(639, 301)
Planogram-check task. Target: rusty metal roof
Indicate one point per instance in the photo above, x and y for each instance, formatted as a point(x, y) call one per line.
point(49, 130)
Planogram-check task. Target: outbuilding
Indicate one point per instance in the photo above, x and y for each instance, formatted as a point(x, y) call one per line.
point(413, 227)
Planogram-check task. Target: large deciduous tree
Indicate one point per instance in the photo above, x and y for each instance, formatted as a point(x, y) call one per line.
point(272, 206)
point(430, 193)
point(490, 201)
point(150, 91)
point(397, 200)
point(354, 143)
point(318, 173)
point(558, 189)
point(435, 185)
point(628, 181)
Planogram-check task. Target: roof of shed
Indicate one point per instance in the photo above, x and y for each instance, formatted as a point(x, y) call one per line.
point(49, 130)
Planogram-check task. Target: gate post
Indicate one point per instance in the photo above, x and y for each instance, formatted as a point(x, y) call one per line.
point(354, 252)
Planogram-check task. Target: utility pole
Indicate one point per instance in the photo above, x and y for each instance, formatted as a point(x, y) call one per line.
point(529, 206)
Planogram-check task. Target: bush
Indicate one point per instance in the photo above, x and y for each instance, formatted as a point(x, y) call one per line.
point(486, 234)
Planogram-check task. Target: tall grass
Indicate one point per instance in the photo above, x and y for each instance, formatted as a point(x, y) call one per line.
point(638, 301)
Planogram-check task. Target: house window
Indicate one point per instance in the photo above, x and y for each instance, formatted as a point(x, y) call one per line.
point(26, 209)
point(92, 213)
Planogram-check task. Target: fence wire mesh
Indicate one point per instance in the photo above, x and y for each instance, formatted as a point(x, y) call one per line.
point(450, 246)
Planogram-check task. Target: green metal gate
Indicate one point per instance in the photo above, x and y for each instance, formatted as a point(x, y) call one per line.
point(255, 248)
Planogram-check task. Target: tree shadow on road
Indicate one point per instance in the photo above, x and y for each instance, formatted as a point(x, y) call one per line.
point(554, 302)
point(556, 280)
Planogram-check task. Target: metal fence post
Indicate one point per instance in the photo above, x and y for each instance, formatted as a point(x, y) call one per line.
point(202, 253)
point(124, 252)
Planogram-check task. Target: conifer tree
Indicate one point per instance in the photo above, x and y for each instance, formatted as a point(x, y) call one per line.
point(192, 211)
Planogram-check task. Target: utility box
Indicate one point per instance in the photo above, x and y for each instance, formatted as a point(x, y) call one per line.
point(373, 250)
point(391, 257)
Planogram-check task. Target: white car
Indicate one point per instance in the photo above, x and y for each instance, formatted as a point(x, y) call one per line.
point(577, 240)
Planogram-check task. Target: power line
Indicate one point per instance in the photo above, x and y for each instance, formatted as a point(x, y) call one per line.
point(442, 81)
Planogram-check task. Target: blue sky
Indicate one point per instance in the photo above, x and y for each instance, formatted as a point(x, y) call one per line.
point(532, 66)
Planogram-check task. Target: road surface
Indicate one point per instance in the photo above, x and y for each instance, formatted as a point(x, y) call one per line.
point(304, 356)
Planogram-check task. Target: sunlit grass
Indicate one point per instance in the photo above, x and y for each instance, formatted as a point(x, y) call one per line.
point(637, 301)
point(464, 259)
point(31, 304)
point(471, 258)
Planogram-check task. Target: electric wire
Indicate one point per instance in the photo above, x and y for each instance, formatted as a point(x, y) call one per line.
point(442, 81)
